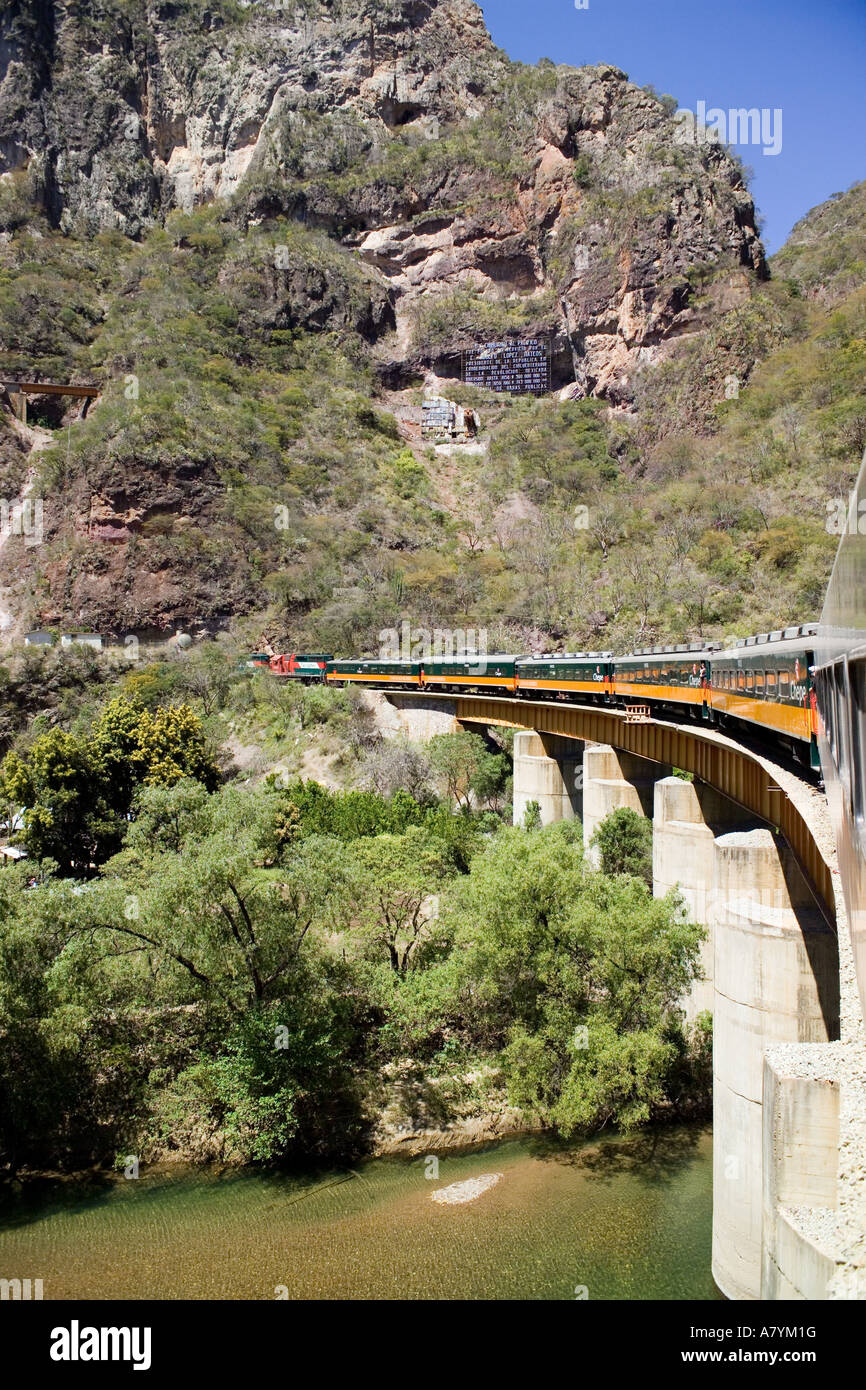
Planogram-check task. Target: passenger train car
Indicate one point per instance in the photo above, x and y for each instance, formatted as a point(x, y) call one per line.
point(675, 678)
point(588, 674)
point(760, 685)
point(465, 675)
point(840, 681)
point(767, 681)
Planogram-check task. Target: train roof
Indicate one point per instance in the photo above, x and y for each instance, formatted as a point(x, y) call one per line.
point(684, 651)
point(475, 657)
point(782, 640)
point(566, 656)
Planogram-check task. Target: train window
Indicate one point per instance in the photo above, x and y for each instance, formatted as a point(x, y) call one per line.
point(827, 706)
point(784, 685)
point(759, 682)
point(857, 687)
point(741, 680)
point(750, 680)
point(843, 736)
point(772, 685)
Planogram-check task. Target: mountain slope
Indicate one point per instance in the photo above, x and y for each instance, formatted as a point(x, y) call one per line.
point(320, 209)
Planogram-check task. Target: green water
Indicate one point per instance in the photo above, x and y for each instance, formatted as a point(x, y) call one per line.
point(624, 1220)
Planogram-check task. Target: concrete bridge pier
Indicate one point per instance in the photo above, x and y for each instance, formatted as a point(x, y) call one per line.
point(802, 1127)
point(613, 778)
point(548, 770)
point(776, 980)
point(686, 819)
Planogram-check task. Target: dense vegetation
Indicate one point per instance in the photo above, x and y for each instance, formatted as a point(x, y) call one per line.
point(241, 971)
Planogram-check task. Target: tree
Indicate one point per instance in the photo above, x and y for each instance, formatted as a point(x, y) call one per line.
point(491, 780)
point(466, 768)
point(394, 880)
point(72, 1061)
point(347, 815)
point(575, 977)
point(607, 1040)
point(398, 766)
point(215, 910)
point(77, 791)
point(123, 1032)
point(281, 1083)
point(133, 744)
point(624, 841)
point(166, 816)
point(67, 814)
point(208, 673)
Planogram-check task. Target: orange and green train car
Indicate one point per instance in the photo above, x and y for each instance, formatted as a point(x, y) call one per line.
point(678, 678)
point(381, 674)
point(767, 683)
point(576, 675)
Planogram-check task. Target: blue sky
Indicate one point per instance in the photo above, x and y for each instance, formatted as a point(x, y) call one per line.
point(807, 57)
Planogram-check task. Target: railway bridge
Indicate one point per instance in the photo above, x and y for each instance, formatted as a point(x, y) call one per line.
point(750, 847)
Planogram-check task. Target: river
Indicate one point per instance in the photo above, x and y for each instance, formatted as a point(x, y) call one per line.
point(606, 1219)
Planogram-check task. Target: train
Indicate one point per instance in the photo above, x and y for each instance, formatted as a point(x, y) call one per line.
point(762, 685)
point(308, 668)
point(840, 684)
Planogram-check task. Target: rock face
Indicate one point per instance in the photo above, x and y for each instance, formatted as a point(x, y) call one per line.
point(228, 192)
point(484, 197)
point(128, 107)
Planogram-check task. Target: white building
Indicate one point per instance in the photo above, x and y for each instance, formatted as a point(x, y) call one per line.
point(83, 639)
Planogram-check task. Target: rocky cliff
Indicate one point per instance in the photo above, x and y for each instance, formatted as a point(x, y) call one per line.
point(486, 197)
point(123, 109)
